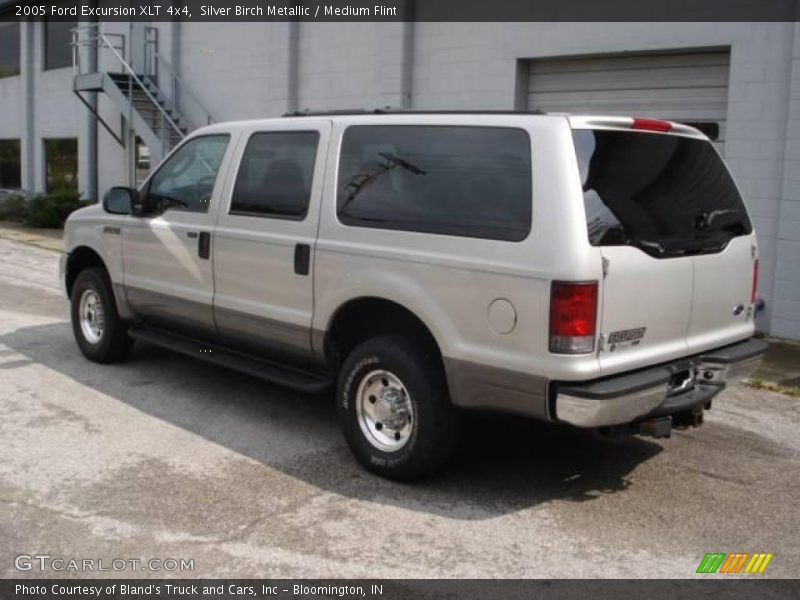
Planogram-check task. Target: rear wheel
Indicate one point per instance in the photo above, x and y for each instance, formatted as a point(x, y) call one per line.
point(101, 335)
point(394, 408)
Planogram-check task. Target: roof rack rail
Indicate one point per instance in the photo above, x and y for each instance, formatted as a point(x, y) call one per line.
point(388, 110)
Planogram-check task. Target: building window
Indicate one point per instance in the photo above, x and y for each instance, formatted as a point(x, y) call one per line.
point(61, 164)
point(143, 162)
point(57, 44)
point(275, 175)
point(10, 169)
point(9, 49)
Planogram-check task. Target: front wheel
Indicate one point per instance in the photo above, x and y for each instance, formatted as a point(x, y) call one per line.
point(101, 335)
point(394, 408)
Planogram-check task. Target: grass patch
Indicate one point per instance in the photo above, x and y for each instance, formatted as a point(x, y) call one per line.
point(758, 384)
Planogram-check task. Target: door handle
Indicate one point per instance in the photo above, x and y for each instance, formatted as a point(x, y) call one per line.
point(204, 245)
point(302, 258)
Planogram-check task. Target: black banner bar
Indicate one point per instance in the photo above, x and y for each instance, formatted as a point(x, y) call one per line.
point(402, 10)
point(737, 588)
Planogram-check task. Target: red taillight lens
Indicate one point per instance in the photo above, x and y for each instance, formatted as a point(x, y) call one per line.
point(754, 292)
point(573, 317)
point(651, 125)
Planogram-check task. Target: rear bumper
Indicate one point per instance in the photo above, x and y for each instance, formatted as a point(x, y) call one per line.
point(673, 388)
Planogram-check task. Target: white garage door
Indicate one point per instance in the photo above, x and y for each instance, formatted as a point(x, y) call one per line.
point(689, 87)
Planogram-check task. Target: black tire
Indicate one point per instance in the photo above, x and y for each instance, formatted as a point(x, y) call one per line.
point(436, 423)
point(114, 344)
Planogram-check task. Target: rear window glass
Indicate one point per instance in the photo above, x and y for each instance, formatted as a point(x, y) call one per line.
point(462, 181)
point(275, 175)
point(668, 195)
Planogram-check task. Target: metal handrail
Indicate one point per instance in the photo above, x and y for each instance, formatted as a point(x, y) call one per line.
point(182, 86)
point(91, 40)
point(104, 41)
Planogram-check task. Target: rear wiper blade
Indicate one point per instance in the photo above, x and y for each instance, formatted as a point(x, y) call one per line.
point(650, 245)
point(393, 160)
point(704, 220)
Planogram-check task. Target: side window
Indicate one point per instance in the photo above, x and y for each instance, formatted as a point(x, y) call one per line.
point(275, 176)
point(451, 180)
point(186, 180)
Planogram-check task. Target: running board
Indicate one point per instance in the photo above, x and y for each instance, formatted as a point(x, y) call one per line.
point(285, 375)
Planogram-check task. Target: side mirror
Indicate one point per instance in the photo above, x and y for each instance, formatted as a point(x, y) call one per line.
point(122, 201)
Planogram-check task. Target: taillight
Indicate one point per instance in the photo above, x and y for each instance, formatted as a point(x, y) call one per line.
point(754, 292)
point(573, 316)
point(651, 124)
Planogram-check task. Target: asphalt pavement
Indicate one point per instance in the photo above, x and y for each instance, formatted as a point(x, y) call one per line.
point(163, 457)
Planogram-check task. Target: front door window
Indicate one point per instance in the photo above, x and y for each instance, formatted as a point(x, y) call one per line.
point(186, 180)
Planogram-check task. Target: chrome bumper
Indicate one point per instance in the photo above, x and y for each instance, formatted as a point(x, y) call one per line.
point(625, 398)
point(591, 412)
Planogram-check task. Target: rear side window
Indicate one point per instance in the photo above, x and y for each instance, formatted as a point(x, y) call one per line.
point(667, 195)
point(275, 175)
point(462, 181)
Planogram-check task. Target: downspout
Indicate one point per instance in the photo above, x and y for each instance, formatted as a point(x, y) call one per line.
point(407, 76)
point(93, 186)
point(175, 59)
point(293, 70)
point(28, 96)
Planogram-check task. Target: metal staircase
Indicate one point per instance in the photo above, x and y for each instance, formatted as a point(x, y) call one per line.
point(151, 113)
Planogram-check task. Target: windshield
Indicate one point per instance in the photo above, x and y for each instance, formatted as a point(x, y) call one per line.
point(665, 194)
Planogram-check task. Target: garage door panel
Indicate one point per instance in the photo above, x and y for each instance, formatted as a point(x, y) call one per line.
point(682, 86)
point(632, 79)
point(621, 62)
point(671, 106)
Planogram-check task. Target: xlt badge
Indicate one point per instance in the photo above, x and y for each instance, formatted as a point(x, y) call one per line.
point(625, 338)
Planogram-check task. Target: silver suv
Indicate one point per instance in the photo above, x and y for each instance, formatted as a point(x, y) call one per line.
point(594, 271)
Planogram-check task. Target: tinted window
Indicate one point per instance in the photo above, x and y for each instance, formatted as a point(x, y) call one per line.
point(61, 164)
point(10, 171)
point(666, 194)
point(57, 44)
point(465, 181)
point(9, 49)
point(275, 176)
point(186, 180)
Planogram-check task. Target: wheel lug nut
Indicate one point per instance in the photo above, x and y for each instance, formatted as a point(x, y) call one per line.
point(378, 426)
point(397, 436)
point(372, 399)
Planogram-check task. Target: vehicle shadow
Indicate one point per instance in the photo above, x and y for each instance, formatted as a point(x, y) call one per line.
point(506, 463)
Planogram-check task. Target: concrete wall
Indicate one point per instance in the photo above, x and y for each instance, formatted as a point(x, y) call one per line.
point(239, 70)
point(472, 65)
point(786, 287)
point(39, 105)
point(351, 65)
point(253, 70)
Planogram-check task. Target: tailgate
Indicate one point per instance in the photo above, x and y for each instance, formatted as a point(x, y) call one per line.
point(675, 238)
point(647, 306)
point(722, 309)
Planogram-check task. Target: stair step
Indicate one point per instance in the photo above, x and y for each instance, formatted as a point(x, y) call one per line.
point(275, 372)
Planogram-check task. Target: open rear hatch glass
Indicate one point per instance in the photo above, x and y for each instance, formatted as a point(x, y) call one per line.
point(667, 195)
point(674, 233)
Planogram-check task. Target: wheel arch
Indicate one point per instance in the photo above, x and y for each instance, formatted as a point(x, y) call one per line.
point(86, 257)
point(79, 259)
point(363, 317)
